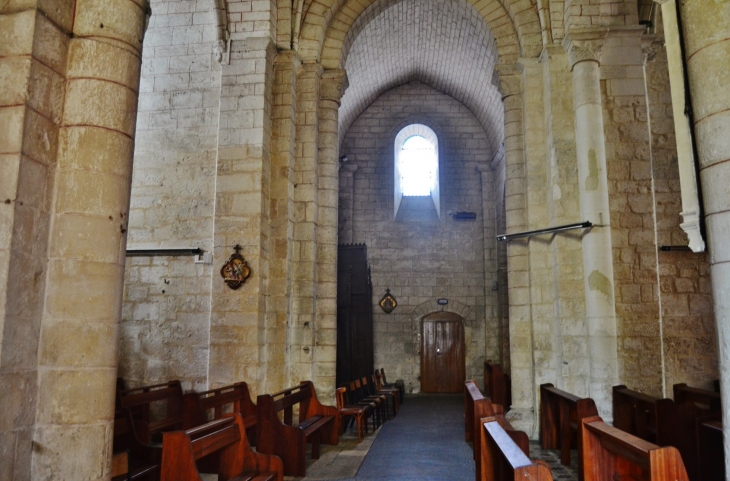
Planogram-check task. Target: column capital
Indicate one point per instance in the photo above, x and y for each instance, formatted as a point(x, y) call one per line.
point(333, 85)
point(584, 45)
point(510, 79)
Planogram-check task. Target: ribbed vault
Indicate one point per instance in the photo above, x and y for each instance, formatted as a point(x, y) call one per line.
point(445, 44)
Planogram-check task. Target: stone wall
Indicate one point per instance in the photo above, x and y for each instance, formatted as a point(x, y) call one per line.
point(421, 260)
point(166, 312)
point(689, 335)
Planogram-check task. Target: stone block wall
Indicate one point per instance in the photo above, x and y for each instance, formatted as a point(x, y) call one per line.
point(689, 334)
point(166, 312)
point(421, 261)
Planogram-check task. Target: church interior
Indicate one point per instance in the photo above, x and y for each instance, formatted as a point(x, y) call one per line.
point(184, 185)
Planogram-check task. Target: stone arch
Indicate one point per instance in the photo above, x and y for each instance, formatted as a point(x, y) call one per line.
point(515, 25)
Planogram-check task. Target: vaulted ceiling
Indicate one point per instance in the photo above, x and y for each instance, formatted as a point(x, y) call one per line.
point(445, 44)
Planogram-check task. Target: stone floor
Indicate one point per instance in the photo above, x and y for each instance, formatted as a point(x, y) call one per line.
point(424, 442)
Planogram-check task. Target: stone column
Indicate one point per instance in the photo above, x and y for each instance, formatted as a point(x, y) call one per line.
point(306, 217)
point(281, 220)
point(241, 216)
point(491, 326)
point(67, 153)
point(707, 50)
point(324, 361)
point(584, 56)
point(522, 414)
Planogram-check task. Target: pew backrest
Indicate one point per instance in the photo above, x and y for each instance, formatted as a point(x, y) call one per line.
point(609, 454)
point(497, 385)
point(200, 408)
point(502, 459)
point(636, 413)
point(226, 439)
point(685, 393)
point(155, 408)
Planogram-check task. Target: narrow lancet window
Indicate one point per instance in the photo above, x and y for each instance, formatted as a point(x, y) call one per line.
point(416, 165)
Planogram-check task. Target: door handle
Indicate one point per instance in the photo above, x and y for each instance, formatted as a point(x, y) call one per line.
point(438, 351)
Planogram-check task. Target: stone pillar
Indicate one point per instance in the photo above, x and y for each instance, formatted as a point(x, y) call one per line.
point(67, 247)
point(584, 55)
point(491, 328)
point(306, 202)
point(281, 220)
point(707, 50)
point(564, 208)
point(324, 360)
point(242, 213)
point(522, 414)
point(32, 88)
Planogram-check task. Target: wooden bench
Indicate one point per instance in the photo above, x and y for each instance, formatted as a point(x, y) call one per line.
point(476, 407)
point(610, 454)
point(505, 459)
point(143, 414)
point(560, 416)
point(199, 408)
point(142, 460)
point(636, 413)
point(497, 385)
point(710, 448)
point(225, 441)
point(317, 423)
point(684, 393)
point(154, 409)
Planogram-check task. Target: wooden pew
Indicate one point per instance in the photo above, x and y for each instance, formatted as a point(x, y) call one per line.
point(142, 460)
point(476, 407)
point(677, 426)
point(684, 393)
point(710, 448)
point(199, 408)
point(317, 423)
point(636, 413)
point(155, 409)
point(225, 440)
point(504, 459)
point(561, 413)
point(663, 422)
point(497, 385)
point(610, 454)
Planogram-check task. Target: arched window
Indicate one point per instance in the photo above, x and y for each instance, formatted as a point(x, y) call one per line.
point(416, 165)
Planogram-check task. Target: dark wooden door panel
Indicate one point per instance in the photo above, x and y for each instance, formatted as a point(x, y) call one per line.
point(442, 353)
point(354, 314)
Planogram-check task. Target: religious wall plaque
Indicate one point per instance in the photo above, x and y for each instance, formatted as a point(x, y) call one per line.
point(388, 302)
point(235, 271)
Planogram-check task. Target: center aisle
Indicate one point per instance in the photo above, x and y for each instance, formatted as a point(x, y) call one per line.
point(424, 442)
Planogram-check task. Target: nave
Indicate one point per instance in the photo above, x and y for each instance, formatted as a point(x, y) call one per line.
point(424, 442)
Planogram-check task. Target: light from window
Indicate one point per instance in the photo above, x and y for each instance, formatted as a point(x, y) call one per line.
point(417, 166)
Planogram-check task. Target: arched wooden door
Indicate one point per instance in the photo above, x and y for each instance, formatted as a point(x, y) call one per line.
point(442, 353)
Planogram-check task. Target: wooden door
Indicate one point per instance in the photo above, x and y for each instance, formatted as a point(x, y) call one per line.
point(442, 353)
point(354, 314)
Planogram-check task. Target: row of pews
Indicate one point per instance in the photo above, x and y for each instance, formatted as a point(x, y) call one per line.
point(652, 439)
point(163, 434)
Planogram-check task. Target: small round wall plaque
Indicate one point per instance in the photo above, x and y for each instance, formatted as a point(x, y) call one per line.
point(388, 302)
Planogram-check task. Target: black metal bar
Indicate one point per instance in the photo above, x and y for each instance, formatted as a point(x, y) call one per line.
point(549, 230)
point(189, 251)
point(674, 248)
